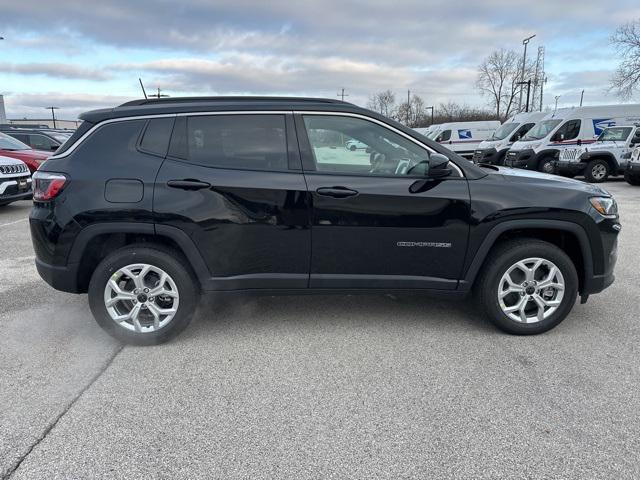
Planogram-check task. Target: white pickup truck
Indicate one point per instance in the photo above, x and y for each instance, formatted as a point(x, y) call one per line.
point(608, 155)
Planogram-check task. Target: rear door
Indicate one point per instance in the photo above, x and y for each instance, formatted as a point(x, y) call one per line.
point(371, 227)
point(233, 183)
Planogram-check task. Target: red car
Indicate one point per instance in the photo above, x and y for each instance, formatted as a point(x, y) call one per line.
point(10, 147)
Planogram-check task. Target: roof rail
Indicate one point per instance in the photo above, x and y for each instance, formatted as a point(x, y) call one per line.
point(153, 101)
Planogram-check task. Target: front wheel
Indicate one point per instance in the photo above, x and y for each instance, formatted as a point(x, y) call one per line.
point(632, 179)
point(143, 295)
point(528, 286)
point(546, 165)
point(596, 171)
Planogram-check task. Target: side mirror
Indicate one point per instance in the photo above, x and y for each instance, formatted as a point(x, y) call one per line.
point(54, 148)
point(579, 142)
point(561, 138)
point(438, 166)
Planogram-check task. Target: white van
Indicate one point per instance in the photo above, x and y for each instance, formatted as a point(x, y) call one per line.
point(427, 130)
point(564, 128)
point(463, 137)
point(494, 149)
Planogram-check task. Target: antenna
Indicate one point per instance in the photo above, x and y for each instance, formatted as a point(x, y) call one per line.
point(143, 91)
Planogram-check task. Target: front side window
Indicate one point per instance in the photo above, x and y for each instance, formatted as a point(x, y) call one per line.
point(522, 131)
point(568, 131)
point(251, 142)
point(444, 136)
point(357, 146)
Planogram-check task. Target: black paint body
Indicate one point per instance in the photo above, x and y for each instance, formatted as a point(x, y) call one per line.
point(272, 230)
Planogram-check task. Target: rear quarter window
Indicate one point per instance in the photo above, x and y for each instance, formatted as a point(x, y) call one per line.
point(156, 136)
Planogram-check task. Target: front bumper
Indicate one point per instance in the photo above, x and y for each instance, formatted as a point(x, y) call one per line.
point(634, 168)
point(488, 155)
point(14, 189)
point(521, 159)
point(568, 167)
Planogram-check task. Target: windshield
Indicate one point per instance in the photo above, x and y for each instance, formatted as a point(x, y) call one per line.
point(61, 137)
point(433, 135)
point(504, 131)
point(542, 129)
point(615, 134)
point(10, 143)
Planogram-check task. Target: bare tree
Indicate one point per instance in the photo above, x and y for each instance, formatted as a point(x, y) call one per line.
point(382, 102)
point(413, 113)
point(498, 77)
point(626, 39)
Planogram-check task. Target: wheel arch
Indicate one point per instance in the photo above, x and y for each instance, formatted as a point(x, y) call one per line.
point(95, 242)
point(608, 157)
point(568, 236)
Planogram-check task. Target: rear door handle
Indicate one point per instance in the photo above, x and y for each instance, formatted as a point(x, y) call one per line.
point(188, 184)
point(337, 192)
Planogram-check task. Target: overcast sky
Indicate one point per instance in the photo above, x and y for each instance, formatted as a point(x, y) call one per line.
point(84, 55)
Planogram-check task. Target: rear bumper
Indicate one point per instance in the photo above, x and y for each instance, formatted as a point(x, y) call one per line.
point(63, 278)
point(568, 167)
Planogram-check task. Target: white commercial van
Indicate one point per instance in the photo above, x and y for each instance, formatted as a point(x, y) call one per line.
point(463, 137)
point(427, 130)
point(565, 128)
point(494, 149)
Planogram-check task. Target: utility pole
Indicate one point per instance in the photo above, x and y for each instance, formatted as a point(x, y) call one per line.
point(408, 105)
point(581, 97)
point(427, 108)
point(525, 42)
point(342, 95)
point(544, 80)
point(556, 108)
point(159, 95)
point(528, 84)
point(53, 114)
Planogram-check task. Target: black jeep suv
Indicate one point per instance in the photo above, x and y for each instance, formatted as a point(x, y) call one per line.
point(155, 201)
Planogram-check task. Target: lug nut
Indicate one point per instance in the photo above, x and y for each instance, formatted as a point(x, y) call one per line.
point(146, 290)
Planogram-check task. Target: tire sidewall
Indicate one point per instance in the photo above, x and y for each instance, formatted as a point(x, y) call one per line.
point(185, 283)
point(500, 265)
point(589, 168)
point(546, 161)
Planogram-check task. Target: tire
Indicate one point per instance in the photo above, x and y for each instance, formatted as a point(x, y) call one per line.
point(180, 292)
point(596, 171)
point(505, 256)
point(632, 179)
point(546, 165)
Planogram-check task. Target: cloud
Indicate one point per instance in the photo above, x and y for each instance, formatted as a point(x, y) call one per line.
point(71, 105)
point(56, 70)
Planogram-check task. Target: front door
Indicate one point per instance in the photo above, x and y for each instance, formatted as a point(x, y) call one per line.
point(368, 229)
point(233, 183)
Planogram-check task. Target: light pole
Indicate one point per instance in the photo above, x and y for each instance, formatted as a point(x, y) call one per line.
point(556, 108)
point(525, 42)
point(53, 114)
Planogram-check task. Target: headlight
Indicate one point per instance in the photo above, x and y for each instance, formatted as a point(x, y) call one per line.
point(605, 206)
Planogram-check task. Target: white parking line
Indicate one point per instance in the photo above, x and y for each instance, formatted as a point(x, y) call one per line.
point(13, 223)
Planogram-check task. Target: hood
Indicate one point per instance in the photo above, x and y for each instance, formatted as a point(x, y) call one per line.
point(10, 161)
point(519, 175)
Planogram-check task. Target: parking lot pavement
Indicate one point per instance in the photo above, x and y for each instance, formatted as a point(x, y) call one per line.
point(320, 387)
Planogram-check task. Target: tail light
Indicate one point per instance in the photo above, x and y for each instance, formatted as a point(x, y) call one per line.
point(47, 186)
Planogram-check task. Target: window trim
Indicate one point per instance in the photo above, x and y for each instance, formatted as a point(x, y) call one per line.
point(95, 127)
point(306, 149)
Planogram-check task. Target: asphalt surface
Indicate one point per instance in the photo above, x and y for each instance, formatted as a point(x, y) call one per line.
point(320, 387)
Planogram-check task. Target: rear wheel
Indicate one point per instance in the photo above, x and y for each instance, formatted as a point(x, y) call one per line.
point(528, 286)
point(546, 165)
point(632, 179)
point(596, 171)
point(143, 295)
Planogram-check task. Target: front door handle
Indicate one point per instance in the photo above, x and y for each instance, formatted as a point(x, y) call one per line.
point(188, 184)
point(336, 192)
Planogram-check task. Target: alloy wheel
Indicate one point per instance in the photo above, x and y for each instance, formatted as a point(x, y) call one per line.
point(531, 290)
point(141, 297)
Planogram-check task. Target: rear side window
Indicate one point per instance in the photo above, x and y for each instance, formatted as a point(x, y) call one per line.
point(155, 139)
point(252, 142)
